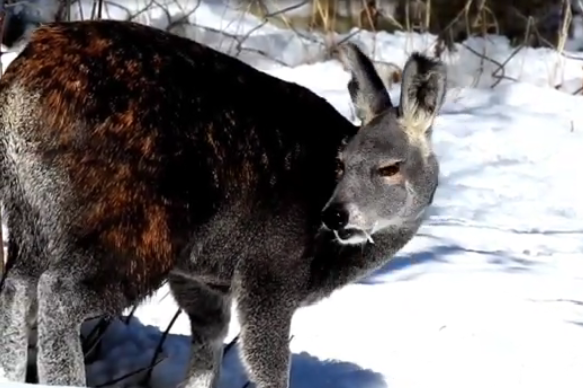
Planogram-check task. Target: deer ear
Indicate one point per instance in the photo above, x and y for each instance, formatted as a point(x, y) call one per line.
point(366, 88)
point(422, 93)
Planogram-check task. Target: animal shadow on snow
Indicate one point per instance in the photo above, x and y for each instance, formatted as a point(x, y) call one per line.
point(408, 261)
point(498, 259)
point(308, 371)
point(133, 346)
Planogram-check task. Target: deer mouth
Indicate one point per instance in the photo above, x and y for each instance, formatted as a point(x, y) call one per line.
point(346, 234)
point(353, 236)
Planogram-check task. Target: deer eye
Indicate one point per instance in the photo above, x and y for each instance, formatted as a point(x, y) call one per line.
point(390, 170)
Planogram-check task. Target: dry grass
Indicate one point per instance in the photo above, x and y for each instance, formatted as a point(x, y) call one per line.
point(532, 22)
point(526, 23)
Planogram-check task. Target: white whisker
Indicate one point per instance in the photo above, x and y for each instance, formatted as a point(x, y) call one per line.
point(368, 236)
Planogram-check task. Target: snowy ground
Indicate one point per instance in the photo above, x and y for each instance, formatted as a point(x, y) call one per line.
point(489, 294)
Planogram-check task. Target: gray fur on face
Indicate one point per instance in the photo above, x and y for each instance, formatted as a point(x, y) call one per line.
point(388, 172)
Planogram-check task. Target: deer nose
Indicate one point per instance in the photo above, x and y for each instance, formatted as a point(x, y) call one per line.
point(335, 216)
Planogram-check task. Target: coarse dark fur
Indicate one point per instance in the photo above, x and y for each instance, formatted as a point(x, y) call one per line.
point(129, 156)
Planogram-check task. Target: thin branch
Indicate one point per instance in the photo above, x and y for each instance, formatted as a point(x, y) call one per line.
point(160, 346)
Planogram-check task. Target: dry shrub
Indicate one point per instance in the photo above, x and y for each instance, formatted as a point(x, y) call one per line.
point(532, 22)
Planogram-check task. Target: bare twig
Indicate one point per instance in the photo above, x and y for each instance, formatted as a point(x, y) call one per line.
point(501, 68)
point(231, 344)
point(97, 10)
point(159, 346)
point(98, 332)
point(128, 318)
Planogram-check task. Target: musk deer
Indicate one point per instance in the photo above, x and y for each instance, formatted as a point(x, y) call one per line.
point(129, 156)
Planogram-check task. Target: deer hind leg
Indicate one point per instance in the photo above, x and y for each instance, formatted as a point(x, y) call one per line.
point(17, 303)
point(63, 305)
point(18, 295)
point(209, 311)
point(76, 287)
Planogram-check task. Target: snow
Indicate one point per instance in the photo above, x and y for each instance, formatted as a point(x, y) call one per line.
point(489, 293)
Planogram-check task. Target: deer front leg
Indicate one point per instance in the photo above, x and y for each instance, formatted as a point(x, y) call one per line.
point(265, 312)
